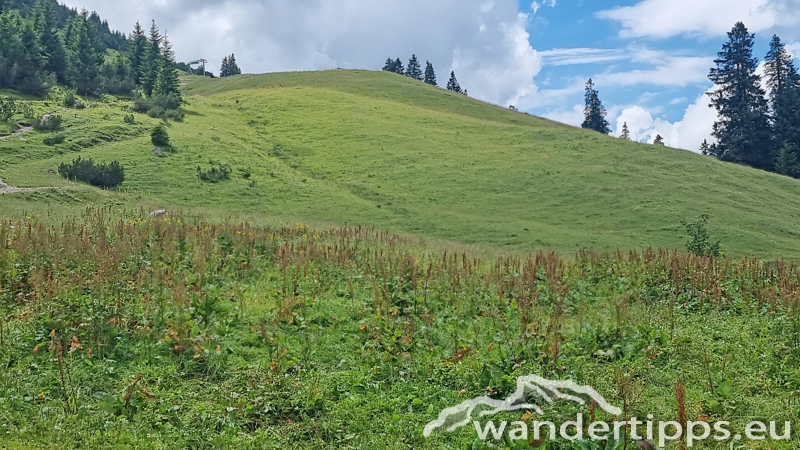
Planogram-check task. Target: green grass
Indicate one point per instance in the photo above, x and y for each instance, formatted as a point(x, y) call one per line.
point(180, 333)
point(376, 149)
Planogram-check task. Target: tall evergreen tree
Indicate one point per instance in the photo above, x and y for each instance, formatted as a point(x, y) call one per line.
point(626, 133)
point(84, 61)
point(224, 69)
point(151, 61)
point(233, 68)
point(430, 74)
point(743, 130)
point(45, 23)
point(389, 65)
point(783, 83)
point(136, 50)
point(594, 112)
point(786, 163)
point(705, 148)
point(452, 83)
point(167, 82)
point(413, 70)
point(398, 67)
point(658, 140)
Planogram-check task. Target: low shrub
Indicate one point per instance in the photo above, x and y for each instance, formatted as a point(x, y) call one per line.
point(54, 140)
point(218, 172)
point(100, 175)
point(700, 242)
point(48, 122)
point(129, 119)
point(159, 106)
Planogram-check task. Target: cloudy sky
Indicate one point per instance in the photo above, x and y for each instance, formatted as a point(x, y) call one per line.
point(649, 58)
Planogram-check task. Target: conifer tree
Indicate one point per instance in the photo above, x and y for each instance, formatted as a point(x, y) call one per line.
point(413, 70)
point(136, 50)
point(398, 67)
point(167, 81)
point(705, 148)
point(594, 112)
point(743, 130)
point(452, 83)
point(389, 65)
point(786, 163)
point(151, 61)
point(84, 61)
point(783, 83)
point(626, 133)
point(658, 140)
point(430, 74)
point(233, 68)
point(45, 23)
point(224, 70)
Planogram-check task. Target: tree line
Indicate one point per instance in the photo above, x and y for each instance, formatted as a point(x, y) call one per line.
point(229, 67)
point(39, 50)
point(414, 70)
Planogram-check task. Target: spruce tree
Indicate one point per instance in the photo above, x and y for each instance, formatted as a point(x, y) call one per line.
point(84, 61)
point(786, 163)
point(413, 70)
point(430, 74)
point(224, 70)
point(452, 83)
point(398, 67)
point(626, 133)
point(594, 112)
point(136, 49)
point(389, 65)
point(658, 140)
point(46, 27)
point(743, 130)
point(705, 149)
point(151, 62)
point(167, 82)
point(233, 68)
point(783, 83)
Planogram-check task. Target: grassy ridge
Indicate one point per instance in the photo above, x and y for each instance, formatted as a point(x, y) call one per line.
point(383, 150)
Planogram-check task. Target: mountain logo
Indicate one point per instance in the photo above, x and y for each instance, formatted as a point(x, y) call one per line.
point(531, 391)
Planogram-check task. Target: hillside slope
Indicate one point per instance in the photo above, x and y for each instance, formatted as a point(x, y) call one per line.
point(377, 149)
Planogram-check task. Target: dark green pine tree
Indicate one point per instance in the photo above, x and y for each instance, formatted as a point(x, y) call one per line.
point(452, 83)
point(151, 61)
point(783, 83)
point(233, 68)
point(167, 82)
point(224, 69)
point(45, 24)
point(137, 43)
point(84, 61)
point(594, 112)
point(413, 70)
point(743, 130)
point(390, 65)
point(786, 163)
point(658, 140)
point(626, 133)
point(430, 74)
point(398, 67)
point(705, 148)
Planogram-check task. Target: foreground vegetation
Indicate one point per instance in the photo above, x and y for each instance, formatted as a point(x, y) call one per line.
point(122, 330)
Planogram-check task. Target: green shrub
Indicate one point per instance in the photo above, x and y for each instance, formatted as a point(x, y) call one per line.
point(159, 106)
point(129, 119)
point(8, 107)
point(159, 136)
point(54, 140)
point(48, 122)
point(70, 100)
point(217, 172)
point(700, 242)
point(100, 175)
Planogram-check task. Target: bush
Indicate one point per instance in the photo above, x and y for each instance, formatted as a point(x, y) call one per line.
point(70, 100)
point(699, 241)
point(217, 172)
point(54, 140)
point(129, 119)
point(8, 107)
point(100, 175)
point(159, 136)
point(49, 122)
point(159, 106)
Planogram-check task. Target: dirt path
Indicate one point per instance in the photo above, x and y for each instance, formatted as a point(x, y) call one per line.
point(17, 133)
point(8, 189)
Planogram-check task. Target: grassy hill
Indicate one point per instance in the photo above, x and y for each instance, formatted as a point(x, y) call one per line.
point(377, 149)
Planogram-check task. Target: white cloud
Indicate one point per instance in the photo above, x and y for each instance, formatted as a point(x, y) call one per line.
point(670, 71)
point(569, 56)
point(688, 133)
point(484, 40)
point(572, 116)
point(707, 18)
point(678, 101)
point(536, 5)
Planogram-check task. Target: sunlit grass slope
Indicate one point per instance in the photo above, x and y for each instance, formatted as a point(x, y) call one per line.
point(377, 149)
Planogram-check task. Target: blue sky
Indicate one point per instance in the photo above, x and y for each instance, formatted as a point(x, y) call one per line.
point(649, 58)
